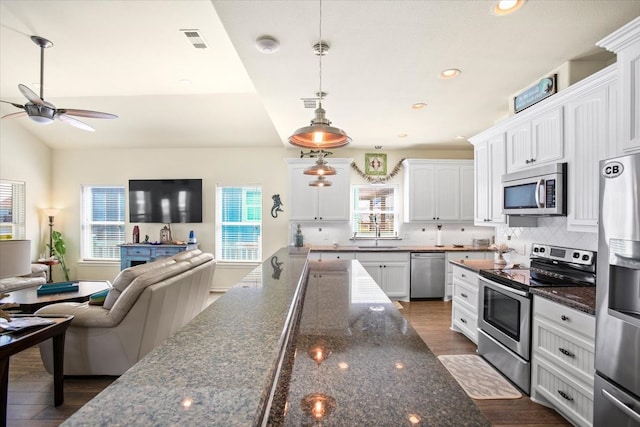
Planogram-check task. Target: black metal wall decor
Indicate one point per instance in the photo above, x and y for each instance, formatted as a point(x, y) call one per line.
point(276, 205)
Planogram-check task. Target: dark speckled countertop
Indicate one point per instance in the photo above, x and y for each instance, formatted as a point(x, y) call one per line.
point(220, 368)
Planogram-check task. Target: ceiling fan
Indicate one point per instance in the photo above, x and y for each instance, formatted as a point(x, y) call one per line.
point(44, 112)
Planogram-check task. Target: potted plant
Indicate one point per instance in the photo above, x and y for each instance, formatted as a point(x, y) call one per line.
point(59, 249)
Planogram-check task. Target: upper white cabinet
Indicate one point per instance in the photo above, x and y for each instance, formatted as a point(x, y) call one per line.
point(535, 140)
point(438, 190)
point(489, 161)
point(625, 42)
point(590, 137)
point(319, 203)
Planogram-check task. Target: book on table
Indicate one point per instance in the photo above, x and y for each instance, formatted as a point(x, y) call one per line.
point(55, 288)
point(20, 323)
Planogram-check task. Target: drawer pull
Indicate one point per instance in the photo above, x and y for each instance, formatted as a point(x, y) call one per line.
point(463, 320)
point(463, 295)
point(566, 352)
point(565, 395)
point(564, 318)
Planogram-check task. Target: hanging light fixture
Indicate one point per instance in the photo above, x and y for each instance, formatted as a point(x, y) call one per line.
point(321, 181)
point(320, 134)
point(321, 168)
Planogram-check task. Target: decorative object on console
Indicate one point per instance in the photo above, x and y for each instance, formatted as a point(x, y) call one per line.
point(165, 234)
point(14, 261)
point(320, 134)
point(277, 203)
point(43, 112)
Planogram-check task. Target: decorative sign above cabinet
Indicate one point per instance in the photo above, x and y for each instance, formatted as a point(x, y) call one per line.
point(543, 89)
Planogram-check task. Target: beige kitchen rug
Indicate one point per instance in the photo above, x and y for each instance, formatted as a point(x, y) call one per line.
point(479, 379)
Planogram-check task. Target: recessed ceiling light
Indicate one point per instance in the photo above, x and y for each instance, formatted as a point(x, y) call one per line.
point(505, 7)
point(185, 82)
point(460, 137)
point(419, 105)
point(450, 73)
point(267, 44)
point(402, 135)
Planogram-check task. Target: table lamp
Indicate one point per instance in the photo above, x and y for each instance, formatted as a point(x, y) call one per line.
point(15, 260)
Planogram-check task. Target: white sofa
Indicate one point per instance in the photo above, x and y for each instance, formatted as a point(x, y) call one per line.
point(147, 304)
point(37, 277)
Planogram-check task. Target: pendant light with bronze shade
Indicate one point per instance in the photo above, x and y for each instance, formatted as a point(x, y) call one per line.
point(321, 181)
point(321, 168)
point(320, 133)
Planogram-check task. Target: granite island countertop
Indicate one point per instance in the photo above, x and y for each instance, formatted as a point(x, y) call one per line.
point(220, 369)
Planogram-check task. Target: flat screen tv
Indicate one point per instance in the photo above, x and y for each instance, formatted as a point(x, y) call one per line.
point(165, 200)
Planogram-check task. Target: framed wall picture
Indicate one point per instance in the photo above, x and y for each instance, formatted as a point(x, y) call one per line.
point(375, 164)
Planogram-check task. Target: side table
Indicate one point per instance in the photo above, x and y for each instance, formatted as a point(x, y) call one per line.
point(50, 263)
point(16, 342)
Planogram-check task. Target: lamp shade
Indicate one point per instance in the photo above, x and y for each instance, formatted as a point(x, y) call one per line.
point(15, 258)
point(320, 168)
point(320, 134)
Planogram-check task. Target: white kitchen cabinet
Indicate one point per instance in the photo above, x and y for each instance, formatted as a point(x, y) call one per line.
point(318, 203)
point(464, 309)
point(460, 255)
point(489, 160)
point(536, 140)
point(390, 270)
point(625, 43)
point(563, 362)
point(435, 189)
point(588, 140)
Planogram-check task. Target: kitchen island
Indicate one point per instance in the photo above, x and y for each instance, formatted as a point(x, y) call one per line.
point(243, 359)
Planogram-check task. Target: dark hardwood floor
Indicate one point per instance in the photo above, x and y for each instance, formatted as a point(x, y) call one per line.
point(30, 401)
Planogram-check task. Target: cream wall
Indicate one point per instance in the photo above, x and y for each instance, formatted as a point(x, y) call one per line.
point(228, 166)
point(23, 158)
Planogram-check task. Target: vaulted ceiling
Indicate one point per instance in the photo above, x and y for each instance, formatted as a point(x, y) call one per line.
point(130, 58)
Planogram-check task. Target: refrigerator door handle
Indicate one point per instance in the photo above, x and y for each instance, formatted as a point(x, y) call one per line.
point(621, 406)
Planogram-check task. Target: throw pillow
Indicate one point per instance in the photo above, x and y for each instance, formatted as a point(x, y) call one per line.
point(98, 298)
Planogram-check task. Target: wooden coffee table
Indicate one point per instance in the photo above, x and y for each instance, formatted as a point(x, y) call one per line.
point(29, 300)
point(16, 342)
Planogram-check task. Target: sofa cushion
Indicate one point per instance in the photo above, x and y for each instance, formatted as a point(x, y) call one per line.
point(185, 255)
point(128, 275)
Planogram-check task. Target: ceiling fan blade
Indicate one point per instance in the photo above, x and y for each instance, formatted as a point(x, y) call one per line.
point(86, 113)
point(15, 115)
point(30, 95)
point(14, 104)
point(74, 122)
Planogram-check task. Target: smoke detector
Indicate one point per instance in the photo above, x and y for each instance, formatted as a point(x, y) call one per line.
point(267, 44)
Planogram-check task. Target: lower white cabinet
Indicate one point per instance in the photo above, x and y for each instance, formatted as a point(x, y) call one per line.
point(320, 255)
point(563, 363)
point(390, 270)
point(448, 291)
point(464, 309)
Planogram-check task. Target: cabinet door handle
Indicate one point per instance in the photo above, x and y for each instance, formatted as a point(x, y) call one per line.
point(527, 161)
point(565, 395)
point(566, 352)
point(463, 295)
point(463, 275)
point(463, 320)
point(564, 318)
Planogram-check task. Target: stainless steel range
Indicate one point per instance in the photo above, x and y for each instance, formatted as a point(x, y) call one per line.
point(504, 321)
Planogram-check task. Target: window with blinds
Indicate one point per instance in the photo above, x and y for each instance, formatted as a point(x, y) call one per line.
point(12, 209)
point(375, 207)
point(239, 224)
point(102, 222)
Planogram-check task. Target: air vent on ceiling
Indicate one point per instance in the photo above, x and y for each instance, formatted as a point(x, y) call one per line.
point(195, 39)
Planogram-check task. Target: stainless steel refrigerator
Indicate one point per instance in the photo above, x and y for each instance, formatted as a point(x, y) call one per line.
point(617, 382)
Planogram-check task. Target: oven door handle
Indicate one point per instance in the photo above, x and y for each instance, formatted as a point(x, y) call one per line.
point(503, 288)
point(539, 186)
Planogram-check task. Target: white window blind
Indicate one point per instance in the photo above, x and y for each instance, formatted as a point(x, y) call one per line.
point(239, 224)
point(12, 209)
point(375, 206)
point(102, 222)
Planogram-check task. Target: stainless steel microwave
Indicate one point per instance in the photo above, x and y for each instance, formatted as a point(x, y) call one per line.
point(537, 191)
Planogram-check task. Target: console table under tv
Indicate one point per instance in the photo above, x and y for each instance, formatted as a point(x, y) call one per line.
point(135, 254)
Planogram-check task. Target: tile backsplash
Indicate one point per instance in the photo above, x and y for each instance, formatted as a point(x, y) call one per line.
point(550, 230)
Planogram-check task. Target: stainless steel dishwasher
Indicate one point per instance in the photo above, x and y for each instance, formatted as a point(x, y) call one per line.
point(427, 275)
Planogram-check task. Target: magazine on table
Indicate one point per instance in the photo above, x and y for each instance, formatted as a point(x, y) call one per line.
point(20, 323)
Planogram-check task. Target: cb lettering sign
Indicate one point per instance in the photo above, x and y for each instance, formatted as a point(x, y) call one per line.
point(612, 169)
